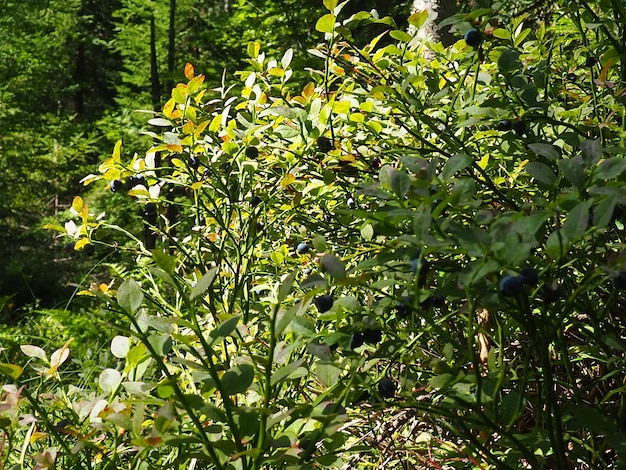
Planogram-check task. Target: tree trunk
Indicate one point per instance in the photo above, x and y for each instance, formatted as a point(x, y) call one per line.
point(154, 68)
point(171, 45)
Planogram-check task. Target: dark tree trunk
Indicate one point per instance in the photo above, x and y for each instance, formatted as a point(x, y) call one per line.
point(154, 69)
point(171, 45)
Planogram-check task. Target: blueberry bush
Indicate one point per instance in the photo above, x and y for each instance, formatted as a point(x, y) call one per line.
point(412, 260)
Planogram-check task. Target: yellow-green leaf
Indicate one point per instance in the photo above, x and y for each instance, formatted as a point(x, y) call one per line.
point(117, 150)
point(287, 180)
point(330, 4)
point(326, 24)
point(77, 204)
point(11, 370)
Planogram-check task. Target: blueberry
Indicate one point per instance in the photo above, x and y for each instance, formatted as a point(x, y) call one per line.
point(324, 303)
point(590, 61)
point(136, 181)
point(473, 38)
point(504, 125)
point(116, 185)
point(386, 388)
point(252, 153)
point(89, 249)
point(372, 335)
point(150, 209)
point(324, 144)
point(302, 248)
point(255, 201)
point(194, 163)
point(519, 127)
point(550, 292)
point(619, 281)
point(529, 276)
point(356, 340)
point(510, 286)
point(69, 247)
point(404, 307)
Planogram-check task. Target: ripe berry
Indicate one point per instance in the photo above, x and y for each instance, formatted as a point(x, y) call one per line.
point(89, 249)
point(351, 203)
point(69, 247)
point(136, 181)
point(504, 125)
point(116, 185)
point(550, 292)
point(510, 286)
point(386, 388)
point(324, 144)
point(255, 201)
point(149, 210)
point(302, 248)
point(404, 307)
point(473, 38)
point(372, 336)
point(519, 127)
point(194, 163)
point(324, 303)
point(590, 61)
point(529, 276)
point(252, 153)
point(357, 340)
point(619, 281)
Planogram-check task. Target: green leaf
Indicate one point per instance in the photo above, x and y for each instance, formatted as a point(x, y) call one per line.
point(284, 372)
point(327, 374)
point(164, 261)
point(591, 418)
point(285, 287)
point(237, 379)
point(576, 222)
point(284, 318)
point(501, 33)
point(572, 171)
point(203, 284)
point(545, 150)
point(333, 266)
point(319, 243)
point(611, 168)
point(603, 212)
point(541, 172)
point(592, 151)
point(455, 163)
point(224, 329)
point(313, 280)
point(326, 24)
point(397, 180)
point(161, 343)
point(418, 18)
point(509, 61)
point(130, 296)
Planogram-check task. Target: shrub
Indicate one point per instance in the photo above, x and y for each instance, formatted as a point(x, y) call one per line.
point(415, 207)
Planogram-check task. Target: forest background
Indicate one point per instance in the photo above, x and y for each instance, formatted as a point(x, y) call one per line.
point(74, 77)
